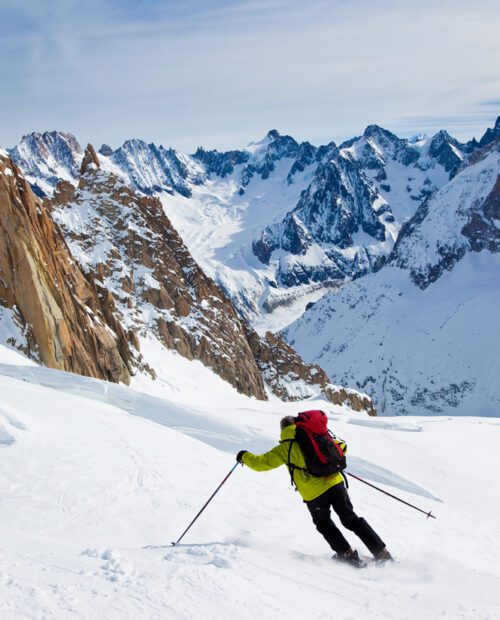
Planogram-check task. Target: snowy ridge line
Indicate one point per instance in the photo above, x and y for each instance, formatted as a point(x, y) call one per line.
point(216, 433)
point(160, 411)
point(259, 226)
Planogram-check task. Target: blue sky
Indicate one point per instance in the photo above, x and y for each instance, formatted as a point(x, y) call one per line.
point(221, 73)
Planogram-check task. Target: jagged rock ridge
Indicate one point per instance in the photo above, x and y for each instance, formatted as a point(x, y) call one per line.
point(127, 241)
point(348, 211)
point(66, 319)
point(417, 335)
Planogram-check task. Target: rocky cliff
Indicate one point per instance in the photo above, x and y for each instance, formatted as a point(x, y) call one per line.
point(65, 318)
point(130, 246)
point(290, 378)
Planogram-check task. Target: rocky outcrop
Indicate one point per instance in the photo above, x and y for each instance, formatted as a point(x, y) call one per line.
point(130, 246)
point(220, 164)
point(273, 148)
point(67, 318)
point(357, 401)
point(290, 378)
point(150, 168)
point(319, 233)
point(491, 134)
point(482, 229)
point(447, 151)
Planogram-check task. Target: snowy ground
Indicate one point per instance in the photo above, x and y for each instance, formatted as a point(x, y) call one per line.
point(97, 480)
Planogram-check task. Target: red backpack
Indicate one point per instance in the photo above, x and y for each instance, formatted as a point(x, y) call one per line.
point(322, 451)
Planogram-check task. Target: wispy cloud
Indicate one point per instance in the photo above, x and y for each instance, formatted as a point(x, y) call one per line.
point(221, 73)
point(491, 103)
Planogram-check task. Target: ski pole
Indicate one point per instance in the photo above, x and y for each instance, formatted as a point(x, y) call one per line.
point(429, 514)
point(206, 504)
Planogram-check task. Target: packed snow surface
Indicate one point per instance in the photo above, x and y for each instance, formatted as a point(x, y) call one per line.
point(98, 479)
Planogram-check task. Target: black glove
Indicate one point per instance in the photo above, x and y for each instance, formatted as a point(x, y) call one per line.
point(239, 456)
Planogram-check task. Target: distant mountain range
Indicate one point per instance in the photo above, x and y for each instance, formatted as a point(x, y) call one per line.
point(95, 280)
point(420, 334)
point(281, 224)
point(308, 216)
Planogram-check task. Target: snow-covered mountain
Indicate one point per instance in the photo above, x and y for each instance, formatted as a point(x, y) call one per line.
point(48, 158)
point(97, 479)
point(420, 334)
point(120, 287)
point(280, 224)
point(283, 222)
point(151, 169)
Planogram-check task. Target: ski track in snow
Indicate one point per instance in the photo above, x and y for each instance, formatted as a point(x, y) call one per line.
point(92, 496)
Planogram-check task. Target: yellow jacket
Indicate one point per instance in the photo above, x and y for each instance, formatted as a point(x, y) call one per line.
point(308, 486)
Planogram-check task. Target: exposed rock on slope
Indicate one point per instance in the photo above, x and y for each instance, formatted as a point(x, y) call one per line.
point(461, 217)
point(130, 245)
point(491, 134)
point(61, 312)
point(150, 168)
point(318, 233)
point(291, 378)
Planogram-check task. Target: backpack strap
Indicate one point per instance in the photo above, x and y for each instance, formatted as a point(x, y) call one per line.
point(289, 464)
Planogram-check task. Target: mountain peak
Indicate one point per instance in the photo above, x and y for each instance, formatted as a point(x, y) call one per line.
point(105, 150)
point(90, 160)
point(491, 134)
point(439, 139)
point(46, 158)
point(273, 134)
point(375, 130)
point(443, 135)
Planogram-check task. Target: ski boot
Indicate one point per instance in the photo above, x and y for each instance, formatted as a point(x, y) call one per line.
point(350, 557)
point(383, 556)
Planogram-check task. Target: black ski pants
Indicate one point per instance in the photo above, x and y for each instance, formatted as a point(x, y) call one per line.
point(337, 498)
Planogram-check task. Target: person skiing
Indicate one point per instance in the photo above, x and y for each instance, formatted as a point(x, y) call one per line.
point(320, 493)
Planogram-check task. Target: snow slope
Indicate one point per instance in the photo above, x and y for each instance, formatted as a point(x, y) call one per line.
point(414, 352)
point(93, 492)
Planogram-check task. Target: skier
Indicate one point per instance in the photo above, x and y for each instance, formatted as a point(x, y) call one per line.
point(319, 494)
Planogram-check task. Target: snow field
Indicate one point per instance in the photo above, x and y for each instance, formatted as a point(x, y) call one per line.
point(92, 496)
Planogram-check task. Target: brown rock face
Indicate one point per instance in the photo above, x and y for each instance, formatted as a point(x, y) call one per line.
point(355, 400)
point(290, 378)
point(127, 243)
point(61, 311)
point(134, 277)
